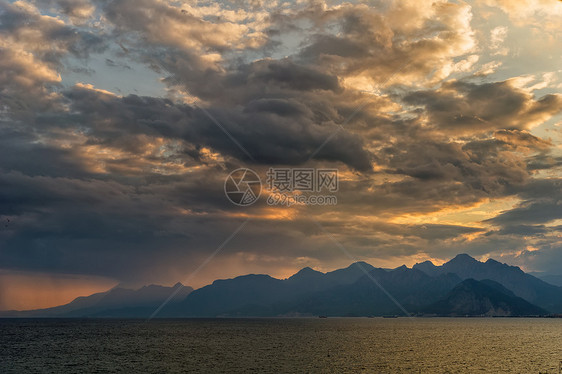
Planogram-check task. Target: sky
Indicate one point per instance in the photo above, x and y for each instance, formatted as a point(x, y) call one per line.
point(120, 121)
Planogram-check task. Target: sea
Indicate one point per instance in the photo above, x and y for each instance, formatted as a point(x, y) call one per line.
point(282, 345)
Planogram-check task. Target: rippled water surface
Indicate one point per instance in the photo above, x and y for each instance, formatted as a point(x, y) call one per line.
point(333, 345)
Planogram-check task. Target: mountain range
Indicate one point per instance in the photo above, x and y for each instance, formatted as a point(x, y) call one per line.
point(461, 287)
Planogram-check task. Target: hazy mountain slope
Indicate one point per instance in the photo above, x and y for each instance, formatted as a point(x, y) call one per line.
point(104, 303)
point(555, 280)
point(488, 298)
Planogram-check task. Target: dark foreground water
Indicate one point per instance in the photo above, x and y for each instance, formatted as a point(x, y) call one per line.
point(330, 345)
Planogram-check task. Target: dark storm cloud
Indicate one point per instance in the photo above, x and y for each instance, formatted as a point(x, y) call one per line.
point(286, 74)
point(270, 136)
point(331, 45)
point(21, 151)
point(307, 78)
point(478, 165)
point(544, 161)
point(468, 108)
point(434, 173)
point(542, 203)
point(522, 139)
point(108, 227)
point(523, 230)
point(431, 232)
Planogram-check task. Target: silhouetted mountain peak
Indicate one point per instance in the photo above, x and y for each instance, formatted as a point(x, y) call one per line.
point(401, 269)
point(361, 264)
point(247, 279)
point(349, 274)
point(427, 267)
point(426, 263)
point(462, 259)
point(493, 263)
point(306, 272)
point(496, 264)
point(307, 269)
